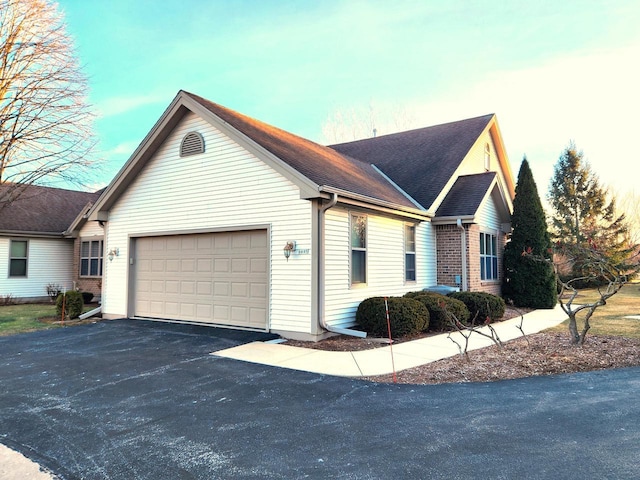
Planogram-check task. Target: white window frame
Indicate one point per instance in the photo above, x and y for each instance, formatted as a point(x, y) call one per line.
point(353, 218)
point(90, 257)
point(489, 265)
point(410, 252)
point(25, 258)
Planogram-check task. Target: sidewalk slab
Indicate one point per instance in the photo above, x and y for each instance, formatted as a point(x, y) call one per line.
point(379, 361)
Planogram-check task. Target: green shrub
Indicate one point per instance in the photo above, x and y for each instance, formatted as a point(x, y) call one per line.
point(407, 316)
point(481, 305)
point(440, 306)
point(72, 304)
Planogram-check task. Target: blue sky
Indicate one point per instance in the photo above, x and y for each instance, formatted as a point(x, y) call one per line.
point(553, 71)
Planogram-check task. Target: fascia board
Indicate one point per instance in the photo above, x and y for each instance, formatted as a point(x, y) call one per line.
point(308, 189)
point(78, 222)
point(505, 165)
point(23, 234)
point(158, 133)
point(452, 220)
point(349, 198)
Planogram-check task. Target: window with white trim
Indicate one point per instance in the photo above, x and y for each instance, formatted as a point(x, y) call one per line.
point(91, 258)
point(488, 256)
point(410, 253)
point(358, 249)
point(18, 258)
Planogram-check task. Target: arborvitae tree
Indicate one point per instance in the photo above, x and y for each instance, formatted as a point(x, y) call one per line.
point(584, 216)
point(527, 281)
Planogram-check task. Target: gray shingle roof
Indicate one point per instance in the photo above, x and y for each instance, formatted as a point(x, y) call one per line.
point(420, 161)
point(466, 195)
point(43, 210)
point(322, 165)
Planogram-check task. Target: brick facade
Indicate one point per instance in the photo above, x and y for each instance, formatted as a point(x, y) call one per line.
point(449, 258)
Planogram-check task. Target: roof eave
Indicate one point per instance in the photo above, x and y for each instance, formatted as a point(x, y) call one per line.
point(371, 203)
point(22, 233)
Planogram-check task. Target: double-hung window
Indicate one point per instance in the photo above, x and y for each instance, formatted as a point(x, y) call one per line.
point(18, 258)
point(91, 258)
point(358, 249)
point(410, 253)
point(488, 257)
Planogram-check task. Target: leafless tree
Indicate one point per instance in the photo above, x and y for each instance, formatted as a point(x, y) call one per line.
point(349, 124)
point(46, 124)
point(629, 205)
point(608, 276)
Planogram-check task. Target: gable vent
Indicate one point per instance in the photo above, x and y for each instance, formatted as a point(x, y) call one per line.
point(192, 143)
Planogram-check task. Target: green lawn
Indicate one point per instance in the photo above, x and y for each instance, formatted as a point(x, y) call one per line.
point(24, 318)
point(610, 318)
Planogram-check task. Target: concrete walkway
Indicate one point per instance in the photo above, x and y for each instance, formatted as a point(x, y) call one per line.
point(378, 361)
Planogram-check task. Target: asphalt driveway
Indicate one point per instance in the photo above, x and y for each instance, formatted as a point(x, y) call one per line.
point(133, 399)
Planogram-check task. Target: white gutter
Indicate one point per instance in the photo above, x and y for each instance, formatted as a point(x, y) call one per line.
point(90, 313)
point(321, 275)
point(463, 254)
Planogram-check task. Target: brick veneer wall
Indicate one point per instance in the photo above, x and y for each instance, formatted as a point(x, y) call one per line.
point(85, 284)
point(450, 260)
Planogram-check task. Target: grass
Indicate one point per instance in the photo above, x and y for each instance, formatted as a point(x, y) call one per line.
point(25, 318)
point(30, 317)
point(610, 318)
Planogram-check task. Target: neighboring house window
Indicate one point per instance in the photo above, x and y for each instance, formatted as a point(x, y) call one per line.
point(487, 157)
point(358, 249)
point(410, 253)
point(18, 256)
point(488, 257)
point(91, 258)
point(192, 144)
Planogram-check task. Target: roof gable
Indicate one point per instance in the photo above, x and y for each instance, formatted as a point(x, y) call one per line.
point(42, 210)
point(420, 161)
point(468, 194)
point(322, 165)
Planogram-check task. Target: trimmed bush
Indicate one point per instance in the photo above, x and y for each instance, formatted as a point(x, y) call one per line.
point(72, 304)
point(481, 305)
point(440, 306)
point(407, 316)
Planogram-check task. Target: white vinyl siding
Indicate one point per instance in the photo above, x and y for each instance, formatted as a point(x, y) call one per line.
point(385, 263)
point(224, 189)
point(50, 261)
point(488, 216)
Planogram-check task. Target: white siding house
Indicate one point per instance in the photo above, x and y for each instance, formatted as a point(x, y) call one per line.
point(220, 219)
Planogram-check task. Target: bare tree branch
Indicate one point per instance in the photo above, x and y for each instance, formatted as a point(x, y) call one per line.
point(46, 124)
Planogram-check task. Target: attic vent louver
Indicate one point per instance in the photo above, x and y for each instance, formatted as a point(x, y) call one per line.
point(192, 143)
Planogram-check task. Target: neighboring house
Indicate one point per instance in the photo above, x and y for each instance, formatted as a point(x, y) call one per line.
point(35, 249)
point(220, 219)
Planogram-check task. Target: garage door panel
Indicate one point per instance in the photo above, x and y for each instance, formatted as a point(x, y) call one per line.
point(218, 278)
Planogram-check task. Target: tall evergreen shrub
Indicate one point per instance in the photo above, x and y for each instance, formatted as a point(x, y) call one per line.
point(529, 281)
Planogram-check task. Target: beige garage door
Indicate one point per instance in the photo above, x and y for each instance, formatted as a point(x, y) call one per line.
point(217, 278)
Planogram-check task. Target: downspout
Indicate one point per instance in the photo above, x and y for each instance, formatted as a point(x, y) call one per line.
point(321, 275)
point(463, 254)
